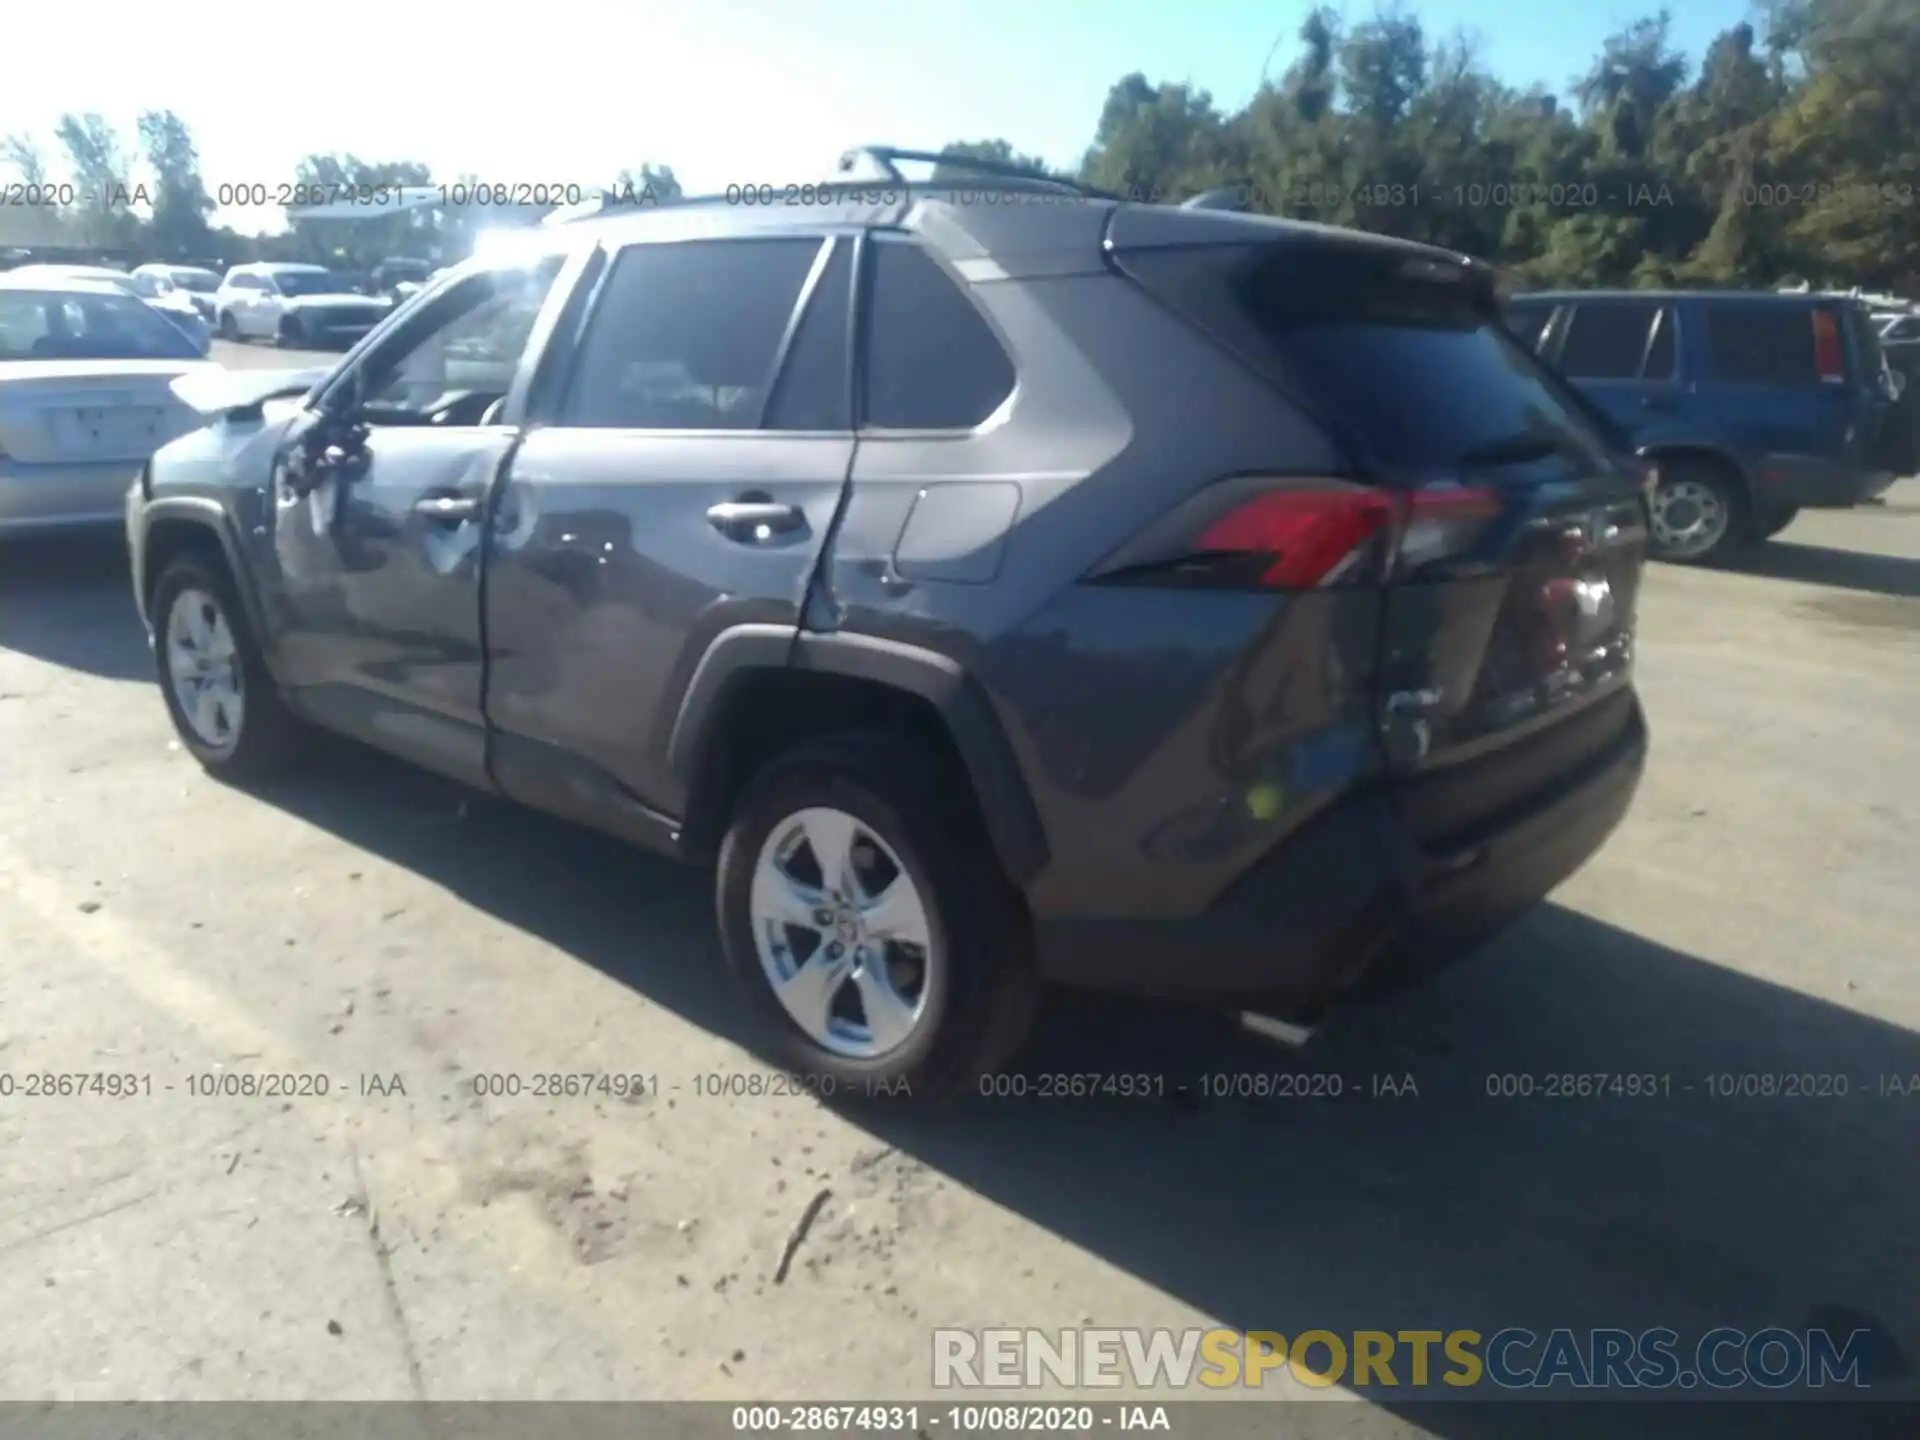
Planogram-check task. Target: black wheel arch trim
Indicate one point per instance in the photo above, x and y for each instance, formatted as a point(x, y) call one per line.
point(1013, 822)
point(210, 516)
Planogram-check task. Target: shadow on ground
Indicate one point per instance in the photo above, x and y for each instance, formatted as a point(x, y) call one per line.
point(1442, 1209)
point(1823, 565)
point(69, 601)
point(1439, 1207)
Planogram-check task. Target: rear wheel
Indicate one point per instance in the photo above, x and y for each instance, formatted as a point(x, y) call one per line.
point(223, 703)
point(1775, 520)
point(1698, 511)
point(879, 946)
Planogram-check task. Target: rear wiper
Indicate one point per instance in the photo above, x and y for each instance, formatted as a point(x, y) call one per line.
point(1513, 450)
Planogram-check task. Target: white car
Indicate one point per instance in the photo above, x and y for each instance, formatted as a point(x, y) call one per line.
point(294, 305)
point(199, 285)
point(155, 290)
point(86, 396)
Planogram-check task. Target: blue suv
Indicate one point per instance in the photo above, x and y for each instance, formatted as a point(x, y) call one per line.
point(1750, 406)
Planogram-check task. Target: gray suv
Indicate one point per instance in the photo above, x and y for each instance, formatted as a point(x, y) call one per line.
point(1001, 583)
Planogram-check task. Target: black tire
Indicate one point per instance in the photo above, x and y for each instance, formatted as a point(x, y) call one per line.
point(268, 736)
point(1774, 521)
point(292, 334)
point(1727, 492)
point(982, 992)
point(229, 328)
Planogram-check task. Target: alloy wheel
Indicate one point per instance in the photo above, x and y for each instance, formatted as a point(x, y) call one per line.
point(203, 666)
point(842, 932)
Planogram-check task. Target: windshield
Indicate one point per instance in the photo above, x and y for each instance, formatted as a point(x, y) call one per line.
point(63, 325)
point(201, 282)
point(311, 282)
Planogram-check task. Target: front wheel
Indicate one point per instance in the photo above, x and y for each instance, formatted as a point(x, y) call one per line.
point(229, 327)
point(878, 944)
point(1698, 512)
point(292, 334)
point(222, 701)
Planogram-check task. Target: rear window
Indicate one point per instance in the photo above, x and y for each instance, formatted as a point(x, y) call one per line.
point(1762, 344)
point(55, 325)
point(1414, 362)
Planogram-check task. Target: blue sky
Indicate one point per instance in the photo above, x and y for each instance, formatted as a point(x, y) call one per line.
point(722, 90)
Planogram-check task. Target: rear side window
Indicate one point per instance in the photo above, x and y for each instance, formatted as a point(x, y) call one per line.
point(1762, 344)
point(685, 336)
point(933, 362)
point(1608, 340)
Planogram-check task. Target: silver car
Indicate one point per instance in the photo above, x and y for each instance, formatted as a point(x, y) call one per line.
point(86, 371)
point(198, 285)
point(156, 290)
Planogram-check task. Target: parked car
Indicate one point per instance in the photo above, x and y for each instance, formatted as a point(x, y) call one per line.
point(295, 305)
point(157, 292)
point(197, 284)
point(85, 398)
point(400, 279)
point(1750, 406)
point(1186, 603)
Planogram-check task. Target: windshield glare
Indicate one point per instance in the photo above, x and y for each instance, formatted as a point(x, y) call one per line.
point(52, 325)
point(201, 282)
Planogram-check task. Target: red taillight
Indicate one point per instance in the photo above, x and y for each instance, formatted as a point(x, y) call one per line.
point(1312, 536)
point(1829, 355)
point(1272, 534)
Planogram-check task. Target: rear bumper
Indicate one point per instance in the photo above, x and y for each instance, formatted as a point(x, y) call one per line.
point(40, 499)
point(1354, 904)
point(1812, 483)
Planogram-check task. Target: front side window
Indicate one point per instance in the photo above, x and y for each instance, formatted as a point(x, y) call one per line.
point(686, 336)
point(1529, 322)
point(464, 350)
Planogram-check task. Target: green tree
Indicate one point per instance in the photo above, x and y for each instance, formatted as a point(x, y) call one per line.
point(181, 204)
point(104, 215)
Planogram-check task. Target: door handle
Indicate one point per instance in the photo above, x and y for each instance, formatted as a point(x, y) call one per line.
point(448, 509)
point(753, 515)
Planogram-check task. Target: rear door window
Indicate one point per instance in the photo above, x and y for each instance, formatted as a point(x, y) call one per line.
point(686, 336)
point(1609, 340)
point(933, 362)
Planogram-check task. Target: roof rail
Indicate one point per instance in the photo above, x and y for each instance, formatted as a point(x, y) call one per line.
point(878, 164)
